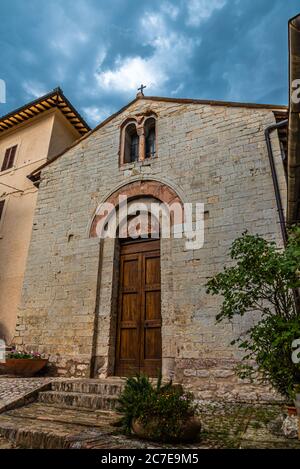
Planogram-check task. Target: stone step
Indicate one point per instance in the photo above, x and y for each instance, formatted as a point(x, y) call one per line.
point(43, 412)
point(40, 426)
point(95, 386)
point(78, 400)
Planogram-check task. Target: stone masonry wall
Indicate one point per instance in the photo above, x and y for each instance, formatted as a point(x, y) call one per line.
point(211, 154)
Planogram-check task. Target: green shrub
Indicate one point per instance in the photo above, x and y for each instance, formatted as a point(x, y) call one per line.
point(269, 343)
point(262, 280)
point(162, 409)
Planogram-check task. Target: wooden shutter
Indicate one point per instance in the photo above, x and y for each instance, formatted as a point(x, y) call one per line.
point(9, 158)
point(13, 151)
point(2, 202)
point(5, 161)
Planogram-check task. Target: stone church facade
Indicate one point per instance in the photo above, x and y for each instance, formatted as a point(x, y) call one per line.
point(79, 302)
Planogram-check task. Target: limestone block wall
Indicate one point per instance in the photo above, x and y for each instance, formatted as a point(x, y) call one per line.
point(211, 154)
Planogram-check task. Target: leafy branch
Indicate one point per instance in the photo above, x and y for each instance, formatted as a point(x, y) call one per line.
point(263, 280)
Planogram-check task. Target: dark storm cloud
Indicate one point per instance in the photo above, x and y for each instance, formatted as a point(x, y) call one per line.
point(99, 51)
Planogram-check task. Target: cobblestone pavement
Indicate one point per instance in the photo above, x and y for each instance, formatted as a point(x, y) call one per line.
point(224, 426)
point(14, 389)
point(38, 425)
point(229, 427)
point(244, 426)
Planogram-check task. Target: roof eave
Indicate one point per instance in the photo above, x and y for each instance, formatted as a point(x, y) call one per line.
point(35, 108)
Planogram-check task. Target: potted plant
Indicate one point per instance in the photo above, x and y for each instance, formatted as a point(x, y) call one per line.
point(164, 413)
point(23, 363)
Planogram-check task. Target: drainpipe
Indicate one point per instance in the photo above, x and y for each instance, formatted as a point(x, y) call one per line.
point(280, 210)
point(268, 131)
point(293, 211)
point(293, 208)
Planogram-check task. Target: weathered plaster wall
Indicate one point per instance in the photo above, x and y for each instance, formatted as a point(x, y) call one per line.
point(211, 154)
point(63, 135)
point(16, 221)
point(35, 140)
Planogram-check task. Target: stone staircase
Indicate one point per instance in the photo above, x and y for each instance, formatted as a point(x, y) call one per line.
point(87, 394)
point(73, 413)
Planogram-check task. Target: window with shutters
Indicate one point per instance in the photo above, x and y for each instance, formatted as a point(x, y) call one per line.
point(9, 158)
point(2, 202)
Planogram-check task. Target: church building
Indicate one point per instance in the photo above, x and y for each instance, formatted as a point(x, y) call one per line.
point(114, 306)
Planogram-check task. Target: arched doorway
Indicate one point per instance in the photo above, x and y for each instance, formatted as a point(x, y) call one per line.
point(147, 321)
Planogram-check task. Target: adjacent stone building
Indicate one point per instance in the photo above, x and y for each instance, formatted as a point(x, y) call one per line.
point(29, 136)
point(100, 307)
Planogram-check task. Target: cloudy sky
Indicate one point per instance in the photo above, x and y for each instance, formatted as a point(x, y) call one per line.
point(99, 51)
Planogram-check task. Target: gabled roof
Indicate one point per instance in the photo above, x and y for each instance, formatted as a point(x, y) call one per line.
point(280, 112)
point(54, 99)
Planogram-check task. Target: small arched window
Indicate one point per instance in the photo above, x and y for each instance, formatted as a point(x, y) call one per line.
point(131, 147)
point(138, 138)
point(150, 138)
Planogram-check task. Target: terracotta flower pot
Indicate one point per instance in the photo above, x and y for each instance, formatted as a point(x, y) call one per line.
point(291, 410)
point(190, 429)
point(24, 366)
point(297, 404)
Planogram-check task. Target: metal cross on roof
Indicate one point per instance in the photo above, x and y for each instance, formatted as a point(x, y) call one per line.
point(141, 89)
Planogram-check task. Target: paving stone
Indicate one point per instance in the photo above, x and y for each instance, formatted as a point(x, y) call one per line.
point(18, 389)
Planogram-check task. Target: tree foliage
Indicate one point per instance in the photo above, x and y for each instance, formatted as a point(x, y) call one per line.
point(264, 279)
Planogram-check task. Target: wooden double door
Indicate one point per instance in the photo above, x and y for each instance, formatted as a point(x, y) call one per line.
point(138, 348)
